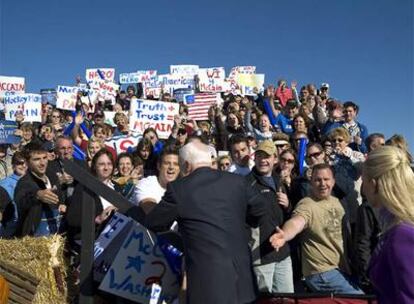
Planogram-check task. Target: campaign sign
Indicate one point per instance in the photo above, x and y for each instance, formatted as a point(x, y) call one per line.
point(188, 69)
point(106, 90)
point(212, 80)
point(152, 113)
point(148, 77)
point(235, 87)
point(128, 78)
point(66, 98)
point(154, 92)
point(121, 143)
point(108, 243)
point(172, 82)
point(248, 82)
point(30, 105)
point(100, 73)
point(49, 96)
point(11, 85)
point(7, 129)
point(179, 94)
point(138, 265)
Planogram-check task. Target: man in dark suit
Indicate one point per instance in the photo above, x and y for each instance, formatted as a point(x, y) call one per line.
point(211, 208)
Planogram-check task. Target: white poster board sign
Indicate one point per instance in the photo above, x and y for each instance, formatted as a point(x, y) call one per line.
point(11, 85)
point(138, 265)
point(152, 113)
point(212, 80)
point(28, 104)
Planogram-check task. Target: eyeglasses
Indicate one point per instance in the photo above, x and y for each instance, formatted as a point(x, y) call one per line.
point(55, 116)
point(338, 140)
point(225, 164)
point(315, 155)
point(287, 160)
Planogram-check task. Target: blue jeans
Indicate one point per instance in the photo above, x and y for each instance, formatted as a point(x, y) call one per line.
point(332, 281)
point(275, 277)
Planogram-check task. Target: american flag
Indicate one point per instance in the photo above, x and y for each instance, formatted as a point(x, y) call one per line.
point(198, 104)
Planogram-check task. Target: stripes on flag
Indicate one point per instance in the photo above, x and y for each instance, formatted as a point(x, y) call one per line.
point(198, 110)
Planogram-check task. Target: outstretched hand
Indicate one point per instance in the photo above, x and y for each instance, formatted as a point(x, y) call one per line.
point(278, 239)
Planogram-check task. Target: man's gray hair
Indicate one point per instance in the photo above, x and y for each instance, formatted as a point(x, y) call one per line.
point(195, 153)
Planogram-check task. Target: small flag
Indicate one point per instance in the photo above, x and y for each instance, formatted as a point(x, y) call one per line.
point(199, 104)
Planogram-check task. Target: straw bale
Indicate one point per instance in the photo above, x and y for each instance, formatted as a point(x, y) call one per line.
point(37, 256)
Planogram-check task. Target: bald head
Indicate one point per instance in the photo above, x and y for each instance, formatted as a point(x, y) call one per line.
point(194, 155)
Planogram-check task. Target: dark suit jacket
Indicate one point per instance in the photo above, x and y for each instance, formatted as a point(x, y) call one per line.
point(28, 206)
point(211, 208)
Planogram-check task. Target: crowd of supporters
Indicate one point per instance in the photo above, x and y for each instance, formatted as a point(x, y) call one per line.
point(275, 139)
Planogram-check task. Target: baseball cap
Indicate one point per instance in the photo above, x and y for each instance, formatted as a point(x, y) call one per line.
point(266, 146)
point(325, 85)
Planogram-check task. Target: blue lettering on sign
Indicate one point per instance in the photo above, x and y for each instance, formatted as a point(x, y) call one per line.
point(135, 262)
point(113, 226)
point(141, 247)
point(156, 116)
point(127, 285)
point(67, 89)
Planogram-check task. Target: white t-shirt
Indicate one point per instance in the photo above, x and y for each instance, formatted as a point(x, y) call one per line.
point(148, 187)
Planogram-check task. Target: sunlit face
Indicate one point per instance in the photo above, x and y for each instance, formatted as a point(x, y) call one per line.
point(55, 117)
point(49, 134)
point(94, 147)
point(349, 114)
point(264, 163)
point(240, 154)
point(125, 166)
point(232, 120)
point(264, 123)
point(122, 121)
point(322, 182)
point(168, 169)
point(64, 148)
point(27, 134)
point(20, 168)
point(287, 162)
point(104, 167)
point(38, 163)
point(100, 134)
point(339, 143)
point(299, 124)
point(224, 164)
point(315, 156)
point(376, 143)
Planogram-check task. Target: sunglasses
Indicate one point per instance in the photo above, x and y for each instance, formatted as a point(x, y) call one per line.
point(315, 155)
point(55, 116)
point(337, 140)
point(225, 164)
point(20, 162)
point(287, 160)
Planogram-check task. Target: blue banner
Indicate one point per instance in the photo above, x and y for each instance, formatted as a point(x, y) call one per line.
point(7, 129)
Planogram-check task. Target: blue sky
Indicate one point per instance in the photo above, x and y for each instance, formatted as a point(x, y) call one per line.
point(363, 48)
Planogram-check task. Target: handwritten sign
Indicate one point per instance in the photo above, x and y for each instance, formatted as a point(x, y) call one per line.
point(66, 97)
point(147, 76)
point(154, 92)
point(28, 104)
point(235, 87)
point(212, 80)
point(127, 78)
point(108, 243)
point(138, 265)
point(7, 129)
point(123, 142)
point(151, 113)
point(188, 69)
point(100, 73)
point(248, 82)
point(106, 90)
point(172, 82)
point(9, 84)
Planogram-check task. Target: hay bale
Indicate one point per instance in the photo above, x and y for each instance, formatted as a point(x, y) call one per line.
point(42, 258)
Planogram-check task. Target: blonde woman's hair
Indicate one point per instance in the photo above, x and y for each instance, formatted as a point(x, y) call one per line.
point(339, 132)
point(390, 168)
point(399, 141)
point(91, 141)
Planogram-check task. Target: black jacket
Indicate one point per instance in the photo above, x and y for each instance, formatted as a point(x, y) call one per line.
point(211, 207)
point(262, 251)
point(29, 207)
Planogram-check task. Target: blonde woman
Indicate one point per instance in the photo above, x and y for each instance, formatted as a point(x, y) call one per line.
point(94, 145)
point(389, 185)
